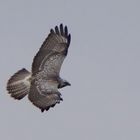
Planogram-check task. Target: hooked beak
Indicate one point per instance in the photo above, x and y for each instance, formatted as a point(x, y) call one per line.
point(68, 84)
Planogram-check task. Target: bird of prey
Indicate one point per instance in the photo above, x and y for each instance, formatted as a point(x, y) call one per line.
point(42, 83)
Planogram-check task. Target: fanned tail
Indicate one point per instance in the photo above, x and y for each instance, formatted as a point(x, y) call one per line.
point(18, 85)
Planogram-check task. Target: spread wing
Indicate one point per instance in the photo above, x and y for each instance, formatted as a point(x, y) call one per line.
point(44, 94)
point(46, 67)
point(52, 52)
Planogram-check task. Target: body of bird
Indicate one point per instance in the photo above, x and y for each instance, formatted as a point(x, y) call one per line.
point(42, 83)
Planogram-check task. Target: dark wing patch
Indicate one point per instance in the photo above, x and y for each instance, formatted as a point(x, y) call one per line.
point(56, 44)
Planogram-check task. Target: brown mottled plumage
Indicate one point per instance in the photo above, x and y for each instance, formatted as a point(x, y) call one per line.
point(41, 85)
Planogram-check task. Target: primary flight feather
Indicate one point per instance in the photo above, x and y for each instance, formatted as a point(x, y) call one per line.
point(42, 84)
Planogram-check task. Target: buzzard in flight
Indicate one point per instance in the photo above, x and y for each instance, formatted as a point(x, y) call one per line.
point(42, 83)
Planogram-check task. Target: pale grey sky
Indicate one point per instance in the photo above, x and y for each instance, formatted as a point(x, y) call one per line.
point(103, 67)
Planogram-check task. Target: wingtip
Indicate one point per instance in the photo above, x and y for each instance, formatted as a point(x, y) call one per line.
point(45, 109)
point(57, 30)
point(42, 110)
point(62, 30)
point(51, 31)
point(69, 39)
point(61, 25)
point(66, 31)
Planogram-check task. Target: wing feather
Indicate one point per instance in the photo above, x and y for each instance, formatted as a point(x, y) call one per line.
point(46, 68)
point(55, 46)
point(44, 94)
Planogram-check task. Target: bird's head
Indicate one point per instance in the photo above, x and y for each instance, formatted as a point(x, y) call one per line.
point(63, 83)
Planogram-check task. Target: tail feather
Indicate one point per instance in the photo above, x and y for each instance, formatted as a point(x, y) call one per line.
point(19, 84)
